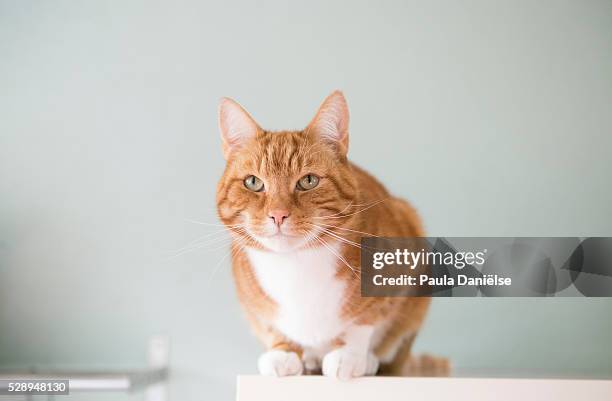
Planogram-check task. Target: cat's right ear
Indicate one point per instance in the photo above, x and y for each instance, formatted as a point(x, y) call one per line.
point(236, 126)
point(331, 122)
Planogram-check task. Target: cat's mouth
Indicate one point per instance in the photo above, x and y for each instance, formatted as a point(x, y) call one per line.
point(280, 234)
point(281, 241)
point(270, 231)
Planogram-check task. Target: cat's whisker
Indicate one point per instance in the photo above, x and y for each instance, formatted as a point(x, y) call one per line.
point(338, 213)
point(307, 236)
point(338, 237)
point(219, 233)
point(215, 233)
point(371, 203)
point(222, 241)
point(351, 204)
point(241, 241)
point(213, 224)
point(348, 229)
point(340, 257)
point(310, 237)
point(309, 244)
point(350, 214)
point(212, 239)
point(200, 246)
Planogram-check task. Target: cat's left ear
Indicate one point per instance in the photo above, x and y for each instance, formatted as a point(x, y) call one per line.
point(236, 126)
point(332, 121)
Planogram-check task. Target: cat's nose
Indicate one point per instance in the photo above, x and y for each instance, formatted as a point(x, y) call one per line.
point(278, 216)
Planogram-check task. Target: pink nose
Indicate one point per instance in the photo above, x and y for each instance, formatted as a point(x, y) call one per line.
point(278, 216)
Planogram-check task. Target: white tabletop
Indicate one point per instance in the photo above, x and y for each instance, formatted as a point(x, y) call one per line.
point(318, 388)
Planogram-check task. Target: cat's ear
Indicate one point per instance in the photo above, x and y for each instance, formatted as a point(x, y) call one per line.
point(236, 126)
point(332, 121)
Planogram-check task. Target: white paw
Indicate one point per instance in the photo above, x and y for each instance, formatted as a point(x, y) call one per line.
point(279, 363)
point(345, 364)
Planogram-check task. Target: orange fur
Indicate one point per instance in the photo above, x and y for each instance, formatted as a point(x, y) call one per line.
point(348, 202)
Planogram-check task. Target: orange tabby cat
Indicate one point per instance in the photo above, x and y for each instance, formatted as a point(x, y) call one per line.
point(297, 208)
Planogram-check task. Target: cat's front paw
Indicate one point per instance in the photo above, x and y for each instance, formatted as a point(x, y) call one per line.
point(344, 364)
point(280, 363)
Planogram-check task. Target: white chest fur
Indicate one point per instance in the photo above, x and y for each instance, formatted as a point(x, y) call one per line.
point(308, 294)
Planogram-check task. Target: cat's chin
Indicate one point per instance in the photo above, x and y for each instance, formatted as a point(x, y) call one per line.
point(282, 242)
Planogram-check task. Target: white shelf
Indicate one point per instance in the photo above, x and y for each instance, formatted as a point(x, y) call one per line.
point(318, 388)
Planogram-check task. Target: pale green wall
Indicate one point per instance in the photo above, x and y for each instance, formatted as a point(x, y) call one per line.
point(493, 117)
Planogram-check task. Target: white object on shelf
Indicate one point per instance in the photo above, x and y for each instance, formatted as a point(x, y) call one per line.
point(159, 358)
point(308, 388)
point(159, 352)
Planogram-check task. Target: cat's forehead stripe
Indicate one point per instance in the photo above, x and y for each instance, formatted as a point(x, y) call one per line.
point(281, 152)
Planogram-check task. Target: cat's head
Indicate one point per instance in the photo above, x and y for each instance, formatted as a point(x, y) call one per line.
point(281, 189)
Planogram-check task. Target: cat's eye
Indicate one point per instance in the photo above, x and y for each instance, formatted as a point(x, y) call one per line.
point(309, 181)
point(253, 183)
